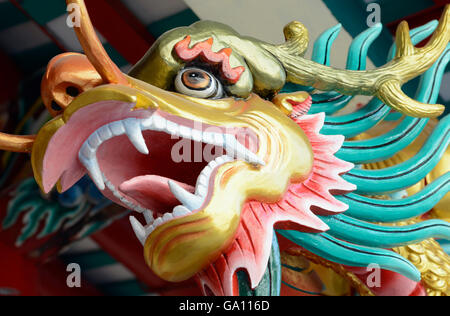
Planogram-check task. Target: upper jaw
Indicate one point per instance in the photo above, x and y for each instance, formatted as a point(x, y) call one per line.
point(133, 129)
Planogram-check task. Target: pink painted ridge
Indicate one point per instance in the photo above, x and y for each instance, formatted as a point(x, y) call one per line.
point(204, 51)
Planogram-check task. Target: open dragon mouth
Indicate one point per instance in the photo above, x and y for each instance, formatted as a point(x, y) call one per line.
point(153, 164)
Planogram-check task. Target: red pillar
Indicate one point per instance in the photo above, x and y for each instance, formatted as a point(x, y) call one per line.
point(120, 28)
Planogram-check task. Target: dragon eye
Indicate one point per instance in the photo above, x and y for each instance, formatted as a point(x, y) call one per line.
point(196, 82)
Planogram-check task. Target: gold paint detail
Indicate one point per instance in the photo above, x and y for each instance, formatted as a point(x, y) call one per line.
point(391, 93)
point(16, 143)
point(282, 100)
point(432, 262)
point(40, 146)
point(104, 93)
point(334, 284)
point(297, 39)
point(353, 280)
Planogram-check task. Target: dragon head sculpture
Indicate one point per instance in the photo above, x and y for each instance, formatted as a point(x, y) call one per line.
point(197, 138)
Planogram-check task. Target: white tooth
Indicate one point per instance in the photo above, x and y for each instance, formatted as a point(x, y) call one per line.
point(207, 170)
point(254, 159)
point(220, 160)
point(149, 229)
point(159, 122)
point(239, 151)
point(157, 222)
point(191, 201)
point(134, 133)
point(230, 144)
point(213, 138)
point(105, 133)
point(218, 139)
point(197, 135)
point(93, 168)
point(201, 190)
point(208, 138)
point(139, 230)
point(202, 179)
point(180, 210)
point(148, 216)
point(87, 151)
point(167, 217)
point(117, 128)
point(138, 208)
point(227, 159)
point(212, 164)
point(128, 204)
point(94, 140)
point(146, 123)
point(172, 128)
point(185, 132)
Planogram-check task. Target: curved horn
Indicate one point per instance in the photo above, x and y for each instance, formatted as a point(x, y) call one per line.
point(16, 143)
point(93, 48)
point(384, 82)
point(297, 39)
point(96, 54)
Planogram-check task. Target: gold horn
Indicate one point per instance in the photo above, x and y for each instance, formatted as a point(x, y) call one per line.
point(297, 39)
point(16, 143)
point(384, 82)
point(94, 49)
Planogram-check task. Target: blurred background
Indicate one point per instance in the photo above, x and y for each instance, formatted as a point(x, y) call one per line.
point(32, 32)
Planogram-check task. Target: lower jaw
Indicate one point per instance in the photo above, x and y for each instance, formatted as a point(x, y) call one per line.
point(179, 251)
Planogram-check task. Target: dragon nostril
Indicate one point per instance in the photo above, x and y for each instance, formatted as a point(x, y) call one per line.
point(72, 91)
point(55, 106)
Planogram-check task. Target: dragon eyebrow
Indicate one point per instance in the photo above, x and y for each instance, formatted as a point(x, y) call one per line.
point(204, 51)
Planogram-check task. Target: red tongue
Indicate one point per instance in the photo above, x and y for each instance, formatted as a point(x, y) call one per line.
point(153, 192)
